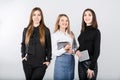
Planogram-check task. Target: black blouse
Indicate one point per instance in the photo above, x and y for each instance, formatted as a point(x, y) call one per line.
point(90, 40)
point(35, 50)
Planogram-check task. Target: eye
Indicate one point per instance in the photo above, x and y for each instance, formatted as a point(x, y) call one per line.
point(34, 14)
point(66, 20)
point(39, 14)
point(62, 20)
point(90, 15)
point(85, 15)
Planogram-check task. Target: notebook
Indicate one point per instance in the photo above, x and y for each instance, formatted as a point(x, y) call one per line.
point(61, 45)
point(85, 56)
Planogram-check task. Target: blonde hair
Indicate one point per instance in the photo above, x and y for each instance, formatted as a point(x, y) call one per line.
point(57, 27)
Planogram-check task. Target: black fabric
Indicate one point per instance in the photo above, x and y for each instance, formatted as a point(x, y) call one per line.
point(36, 54)
point(34, 72)
point(90, 40)
point(82, 70)
point(23, 46)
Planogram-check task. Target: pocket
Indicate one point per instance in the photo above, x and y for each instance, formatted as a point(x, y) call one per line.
point(24, 61)
point(45, 66)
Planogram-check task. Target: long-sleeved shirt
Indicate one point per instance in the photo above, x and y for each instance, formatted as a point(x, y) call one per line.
point(35, 51)
point(57, 37)
point(90, 40)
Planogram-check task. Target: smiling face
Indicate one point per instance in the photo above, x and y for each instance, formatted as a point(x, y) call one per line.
point(88, 17)
point(36, 17)
point(63, 22)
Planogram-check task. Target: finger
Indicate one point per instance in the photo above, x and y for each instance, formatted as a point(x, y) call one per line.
point(47, 63)
point(93, 74)
point(26, 59)
point(79, 55)
point(88, 75)
point(22, 59)
point(44, 62)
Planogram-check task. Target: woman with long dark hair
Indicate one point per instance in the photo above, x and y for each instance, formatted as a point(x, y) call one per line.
point(89, 39)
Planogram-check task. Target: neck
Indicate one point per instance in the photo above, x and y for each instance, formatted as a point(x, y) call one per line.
point(89, 24)
point(36, 24)
point(62, 30)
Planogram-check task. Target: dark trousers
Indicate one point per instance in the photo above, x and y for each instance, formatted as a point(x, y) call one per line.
point(82, 70)
point(34, 72)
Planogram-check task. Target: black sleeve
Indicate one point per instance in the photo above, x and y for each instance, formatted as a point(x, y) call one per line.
point(96, 50)
point(79, 44)
point(23, 47)
point(48, 48)
point(74, 43)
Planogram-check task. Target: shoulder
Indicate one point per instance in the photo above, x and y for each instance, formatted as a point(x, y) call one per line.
point(97, 32)
point(24, 30)
point(72, 34)
point(54, 34)
point(47, 29)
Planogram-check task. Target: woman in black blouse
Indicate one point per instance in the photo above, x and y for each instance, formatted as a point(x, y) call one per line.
point(89, 39)
point(36, 46)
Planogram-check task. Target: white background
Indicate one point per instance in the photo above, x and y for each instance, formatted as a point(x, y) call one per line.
point(14, 16)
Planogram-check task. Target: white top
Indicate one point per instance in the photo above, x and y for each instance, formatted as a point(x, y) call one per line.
point(59, 36)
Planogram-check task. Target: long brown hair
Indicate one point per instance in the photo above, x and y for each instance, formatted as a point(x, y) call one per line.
point(31, 27)
point(57, 27)
point(94, 20)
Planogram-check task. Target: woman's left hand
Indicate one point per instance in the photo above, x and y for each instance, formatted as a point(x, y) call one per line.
point(47, 63)
point(78, 54)
point(90, 73)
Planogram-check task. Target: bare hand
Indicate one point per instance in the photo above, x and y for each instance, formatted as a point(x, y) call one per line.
point(78, 54)
point(90, 73)
point(67, 47)
point(24, 58)
point(47, 63)
point(70, 51)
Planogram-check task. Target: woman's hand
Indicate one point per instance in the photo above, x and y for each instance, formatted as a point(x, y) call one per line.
point(67, 47)
point(90, 73)
point(47, 63)
point(70, 51)
point(24, 58)
point(78, 54)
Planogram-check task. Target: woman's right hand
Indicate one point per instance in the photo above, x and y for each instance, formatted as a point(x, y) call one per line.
point(78, 54)
point(67, 47)
point(70, 51)
point(24, 58)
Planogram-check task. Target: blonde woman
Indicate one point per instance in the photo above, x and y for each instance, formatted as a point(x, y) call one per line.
point(63, 46)
point(36, 46)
